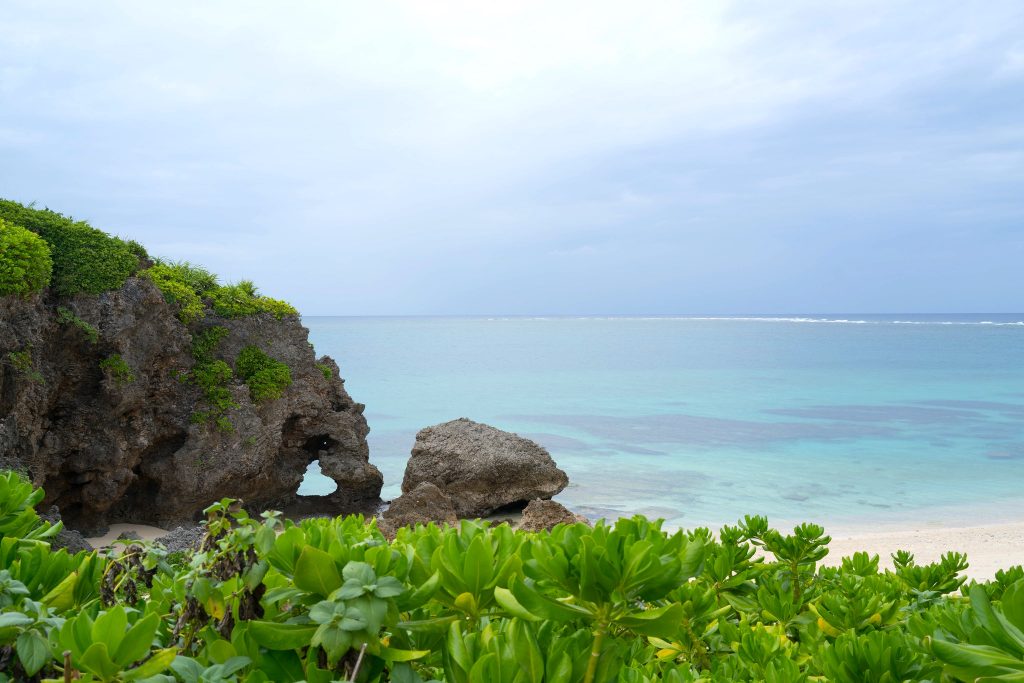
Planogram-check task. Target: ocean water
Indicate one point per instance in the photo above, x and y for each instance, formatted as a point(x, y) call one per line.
point(843, 420)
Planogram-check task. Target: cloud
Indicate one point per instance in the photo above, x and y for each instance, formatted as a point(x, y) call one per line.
point(451, 157)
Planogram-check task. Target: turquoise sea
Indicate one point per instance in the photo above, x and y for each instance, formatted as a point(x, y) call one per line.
point(840, 419)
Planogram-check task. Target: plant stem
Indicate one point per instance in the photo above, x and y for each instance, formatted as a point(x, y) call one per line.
point(595, 653)
point(359, 663)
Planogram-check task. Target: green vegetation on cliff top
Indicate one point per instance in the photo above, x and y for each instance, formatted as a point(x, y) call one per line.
point(25, 263)
point(73, 258)
point(322, 600)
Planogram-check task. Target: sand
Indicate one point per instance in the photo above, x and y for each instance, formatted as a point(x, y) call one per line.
point(148, 533)
point(988, 547)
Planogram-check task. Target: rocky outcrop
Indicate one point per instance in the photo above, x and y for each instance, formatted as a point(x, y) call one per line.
point(127, 448)
point(425, 503)
point(69, 539)
point(544, 515)
point(482, 469)
point(182, 539)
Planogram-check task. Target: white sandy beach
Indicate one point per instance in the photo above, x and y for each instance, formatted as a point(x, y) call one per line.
point(988, 547)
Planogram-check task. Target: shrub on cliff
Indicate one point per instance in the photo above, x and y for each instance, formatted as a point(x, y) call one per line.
point(183, 284)
point(25, 264)
point(267, 378)
point(84, 259)
point(236, 301)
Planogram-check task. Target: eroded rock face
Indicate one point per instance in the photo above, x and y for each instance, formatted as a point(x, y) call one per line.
point(425, 503)
point(544, 515)
point(130, 452)
point(482, 469)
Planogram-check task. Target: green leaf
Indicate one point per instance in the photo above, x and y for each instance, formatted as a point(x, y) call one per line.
point(663, 622)
point(14, 619)
point(361, 572)
point(354, 620)
point(109, 627)
point(186, 667)
point(428, 625)
point(527, 652)
point(275, 636)
point(158, 663)
point(96, 661)
point(352, 588)
point(421, 595)
point(388, 587)
point(391, 654)
point(33, 651)
point(333, 640)
point(315, 572)
point(62, 596)
point(508, 602)
point(137, 641)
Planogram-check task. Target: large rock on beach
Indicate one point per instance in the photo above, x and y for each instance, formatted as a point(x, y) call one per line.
point(134, 451)
point(544, 515)
point(482, 469)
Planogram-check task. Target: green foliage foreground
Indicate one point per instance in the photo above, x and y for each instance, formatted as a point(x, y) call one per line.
point(268, 599)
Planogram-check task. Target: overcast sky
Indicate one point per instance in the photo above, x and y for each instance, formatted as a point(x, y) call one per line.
point(538, 157)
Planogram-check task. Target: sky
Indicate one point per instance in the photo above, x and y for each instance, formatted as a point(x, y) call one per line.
point(383, 158)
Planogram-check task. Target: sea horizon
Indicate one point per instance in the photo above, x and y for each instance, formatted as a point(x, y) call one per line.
point(846, 419)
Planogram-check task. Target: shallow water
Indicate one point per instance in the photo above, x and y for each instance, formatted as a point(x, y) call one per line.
point(838, 419)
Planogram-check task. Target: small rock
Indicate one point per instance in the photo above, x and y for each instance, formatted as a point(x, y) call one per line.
point(182, 539)
point(70, 540)
point(544, 515)
point(129, 536)
point(426, 503)
point(482, 469)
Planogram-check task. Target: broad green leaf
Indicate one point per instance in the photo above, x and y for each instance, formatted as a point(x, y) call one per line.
point(275, 636)
point(97, 661)
point(8, 619)
point(391, 654)
point(137, 641)
point(158, 663)
point(62, 596)
point(526, 651)
point(109, 628)
point(508, 602)
point(663, 621)
point(315, 572)
point(33, 651)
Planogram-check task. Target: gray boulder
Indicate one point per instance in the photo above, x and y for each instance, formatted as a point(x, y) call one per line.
point(482, 469)
point(182, 538)
point(425, 503)
point(70, 540)
point(544, 515)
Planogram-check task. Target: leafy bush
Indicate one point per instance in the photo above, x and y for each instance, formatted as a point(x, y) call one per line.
point(18, 517)
point(268, 599)
point(65, 316)
point(176, 281)
point(84, 259)
point(117, 369)
point(267, 378)
point(242, 299)
point(25, 264)
point(212, 376)
point(325, 369)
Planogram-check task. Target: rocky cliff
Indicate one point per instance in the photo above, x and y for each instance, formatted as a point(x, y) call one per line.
point(98, 404)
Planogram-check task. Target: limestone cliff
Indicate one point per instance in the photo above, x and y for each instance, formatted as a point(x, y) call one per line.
point(121, 443)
